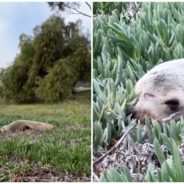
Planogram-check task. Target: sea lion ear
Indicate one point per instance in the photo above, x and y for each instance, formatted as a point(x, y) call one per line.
point(148, 96)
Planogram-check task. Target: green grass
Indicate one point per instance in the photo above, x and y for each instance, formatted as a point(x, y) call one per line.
point(66, 148)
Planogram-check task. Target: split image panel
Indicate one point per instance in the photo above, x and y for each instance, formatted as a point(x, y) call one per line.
point(45, 92)
point(137, 94)
point(130, 129)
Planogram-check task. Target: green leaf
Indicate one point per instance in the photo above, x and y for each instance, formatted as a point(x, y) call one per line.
point(167, 142)
point(150, 177)
point(178, 163)
point(127, 173)
point(158, 151)
point(170, 169)
point(164, 172)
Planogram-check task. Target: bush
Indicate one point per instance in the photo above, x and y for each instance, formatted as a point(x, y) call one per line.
point(58, 83)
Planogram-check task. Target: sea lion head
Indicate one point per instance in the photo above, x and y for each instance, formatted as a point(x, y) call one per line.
point(161, 92)
point(159, 106)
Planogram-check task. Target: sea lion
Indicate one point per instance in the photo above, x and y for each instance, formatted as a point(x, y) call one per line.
point(161, 91)
point(23, 125)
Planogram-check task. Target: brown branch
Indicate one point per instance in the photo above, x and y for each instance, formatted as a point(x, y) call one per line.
point(114, 147)
point(174, 115)
point(79, 12)
point(88, 5)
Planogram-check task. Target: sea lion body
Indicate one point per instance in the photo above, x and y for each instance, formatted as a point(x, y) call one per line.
point(23, 125)
point(161, 91)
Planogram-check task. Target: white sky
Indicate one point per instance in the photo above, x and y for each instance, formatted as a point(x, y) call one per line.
point(18, 18)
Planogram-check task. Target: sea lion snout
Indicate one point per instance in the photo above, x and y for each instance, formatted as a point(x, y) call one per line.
point(143, 113)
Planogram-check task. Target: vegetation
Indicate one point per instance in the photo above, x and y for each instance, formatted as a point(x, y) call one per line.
point(56, 55)
point(108, 7)
point(64, 150)
point(123, 52)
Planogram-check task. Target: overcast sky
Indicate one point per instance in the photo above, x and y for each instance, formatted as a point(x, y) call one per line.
point(18, 18)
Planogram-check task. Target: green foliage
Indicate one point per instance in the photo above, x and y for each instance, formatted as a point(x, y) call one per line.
point(122, 54)
point(58, 83)
point(171, 169)
point(48, 65)
point(62, 77)
point(49, 44)
point(122, 175)
point(107, 7)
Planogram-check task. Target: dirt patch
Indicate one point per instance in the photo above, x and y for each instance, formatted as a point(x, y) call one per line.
point(47, 175)
point(136, 158)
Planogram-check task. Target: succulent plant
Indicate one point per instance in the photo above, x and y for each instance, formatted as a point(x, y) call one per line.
point(123, 52)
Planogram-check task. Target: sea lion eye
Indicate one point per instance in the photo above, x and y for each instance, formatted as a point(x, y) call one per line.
point(172, 104)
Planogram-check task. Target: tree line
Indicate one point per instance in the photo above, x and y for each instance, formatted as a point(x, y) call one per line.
point(49, 63)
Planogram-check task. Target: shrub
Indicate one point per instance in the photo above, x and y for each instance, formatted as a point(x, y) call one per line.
point(58, 83)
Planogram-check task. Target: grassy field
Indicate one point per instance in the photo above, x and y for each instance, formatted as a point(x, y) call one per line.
point(62, 154)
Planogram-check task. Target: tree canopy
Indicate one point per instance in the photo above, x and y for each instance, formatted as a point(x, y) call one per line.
point(49, 63)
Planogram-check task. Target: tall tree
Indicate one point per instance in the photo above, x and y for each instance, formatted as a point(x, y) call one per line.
point(49, 64)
